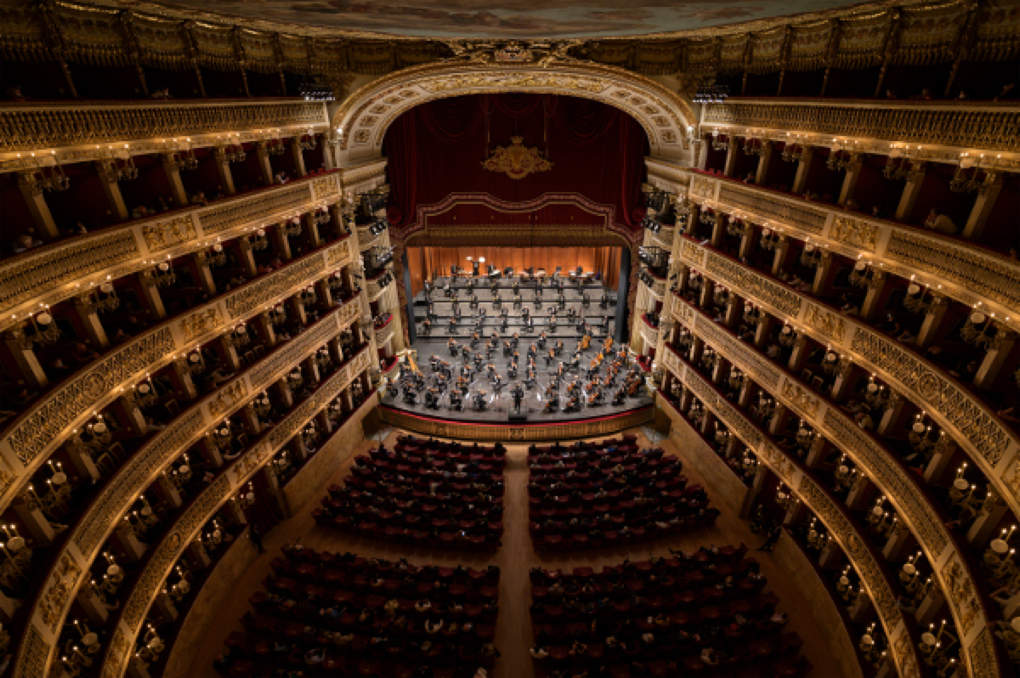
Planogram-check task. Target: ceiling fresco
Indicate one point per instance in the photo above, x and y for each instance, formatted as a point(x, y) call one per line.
point(507, 18)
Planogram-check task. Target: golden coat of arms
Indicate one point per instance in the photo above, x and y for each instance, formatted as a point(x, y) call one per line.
point(516, 160)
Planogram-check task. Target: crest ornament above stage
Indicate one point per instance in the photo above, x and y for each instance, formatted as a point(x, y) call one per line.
point(517, 160)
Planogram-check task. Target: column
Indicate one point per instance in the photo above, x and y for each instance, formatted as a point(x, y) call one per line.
point(223, 170)
point(246, 254)
point(764, 329)
point(718, 229)
point(298, 309)
point(173, 175)
point(86, 320)
point(32, 519)
point(807, 154)
point(167, 491)
point(862, 493)
point(780, 255)
point(940, 465)
point(853, 173)
point(224, 347)
point(751, 496)
point(180, 376)
point(746, 242)
point(846, 379)
point(983, 205)
point(298, 155)
point(35, 200)
point(825, 274)
point(893, 416)
point(875, 298)
point(278, 237)
point(932, 322)
point(800, 352)
point(898, 542)
point(311, 229)
point(125, 537)
point(763, 162)
point(108, 179)
point(265, 166)
point(210, 453)
point(149, 293)
point(199, 262)
point(128, 415)
point(778, 421)
point(264, 328)
point(817, 453)
point(17, 351)
point(731, 156)
point(911, 189)
point(995, 357)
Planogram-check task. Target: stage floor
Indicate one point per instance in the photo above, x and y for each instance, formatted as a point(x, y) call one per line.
point(499, 403)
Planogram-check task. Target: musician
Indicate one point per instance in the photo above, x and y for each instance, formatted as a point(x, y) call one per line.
point(619, 396)
point(532, 350)
point(552, 321)
point(559, 346)
point(604, 300)
point(585, 342)
point(432, 399)
point(426, 327)
point(453, 323)
point(497, 302)
point(518, 395)
point(515, 340)
point(507, 349)
point(474, 338)
point(473, 301)
point(452, 345)
point(542, 339)
point(607, 345)
point(529, 381)
point(392, 390)
point(549, 357)
point(479, 400)
point(584, 299)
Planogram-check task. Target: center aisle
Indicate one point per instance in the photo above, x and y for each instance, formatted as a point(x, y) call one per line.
point(515, 559)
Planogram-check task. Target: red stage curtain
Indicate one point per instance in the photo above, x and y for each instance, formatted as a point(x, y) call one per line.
point(429, 262)
point(438, 148)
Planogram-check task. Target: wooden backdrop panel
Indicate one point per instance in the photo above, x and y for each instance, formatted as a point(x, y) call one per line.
point(428, 262)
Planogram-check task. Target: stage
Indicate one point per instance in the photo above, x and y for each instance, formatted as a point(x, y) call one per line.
point(600, 387)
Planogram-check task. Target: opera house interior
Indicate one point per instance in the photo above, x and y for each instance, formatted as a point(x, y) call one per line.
point(504, 339)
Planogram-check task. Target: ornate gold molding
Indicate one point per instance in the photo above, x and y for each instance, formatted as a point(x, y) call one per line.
point(48, 275)
point(466, 430)
point(950, 131)
point(37, 432)
point(889, 476)
point(362, 119)
point(968, 273)
point(989, 442)
point(36, 135)
point(87, 536)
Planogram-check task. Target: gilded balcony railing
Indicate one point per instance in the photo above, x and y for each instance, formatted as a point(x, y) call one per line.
point(36, 433)
point(94, 526)
point(819, 502)
point(36, 134)
point(187, 527)
point(961, 270)
point(993, 446)
point(47, 275)
point(903, 491)
point(938, 131)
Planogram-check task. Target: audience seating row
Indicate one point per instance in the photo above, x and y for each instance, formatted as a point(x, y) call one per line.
point(422, 493)
point(609, 493)
point(705, 614)
point(333, 614)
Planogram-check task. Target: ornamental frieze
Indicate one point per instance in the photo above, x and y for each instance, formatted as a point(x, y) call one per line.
point(961, 270)
point(974, 426)
point(50, 274)
point(43, 425)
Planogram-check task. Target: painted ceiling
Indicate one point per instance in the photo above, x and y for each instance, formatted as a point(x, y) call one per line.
point(507, 18)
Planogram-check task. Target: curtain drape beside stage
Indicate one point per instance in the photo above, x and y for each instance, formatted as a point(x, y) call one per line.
point(429, 262)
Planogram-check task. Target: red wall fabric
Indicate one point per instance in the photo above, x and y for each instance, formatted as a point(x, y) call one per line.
point(438, 148)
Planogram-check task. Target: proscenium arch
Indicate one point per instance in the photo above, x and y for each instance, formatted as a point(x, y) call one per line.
point(362, 119)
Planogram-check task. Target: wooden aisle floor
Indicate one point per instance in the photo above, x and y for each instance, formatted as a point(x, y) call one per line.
point(515, 559)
